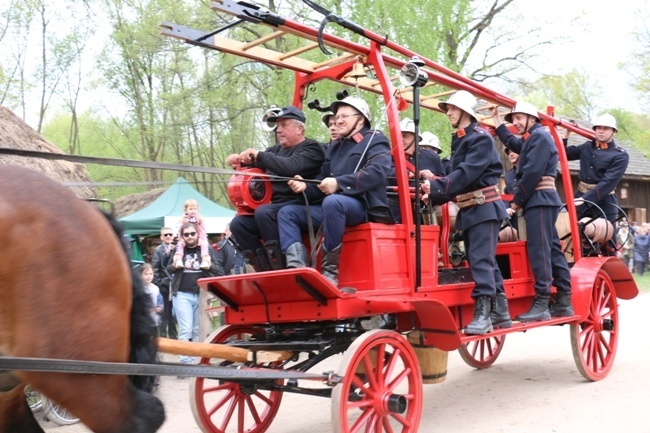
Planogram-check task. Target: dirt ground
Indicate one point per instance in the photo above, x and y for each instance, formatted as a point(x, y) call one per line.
point(534, 387)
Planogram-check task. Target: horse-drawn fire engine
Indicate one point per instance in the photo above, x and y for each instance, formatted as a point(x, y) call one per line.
point(413, 269)
point(282, 324)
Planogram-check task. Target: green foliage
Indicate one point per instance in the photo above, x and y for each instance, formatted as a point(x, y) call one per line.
point(634, 129)
point(172, 102)
point(573, 95)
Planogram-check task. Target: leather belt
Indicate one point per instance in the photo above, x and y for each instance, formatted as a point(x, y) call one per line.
point(547, 182)
point(584, 187)
point(478, 197)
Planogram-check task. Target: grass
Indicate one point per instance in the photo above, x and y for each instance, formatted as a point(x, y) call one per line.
point(643, 282)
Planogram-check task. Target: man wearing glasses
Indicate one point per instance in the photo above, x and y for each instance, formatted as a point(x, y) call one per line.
point(161, 278)
point(184, 287)
point(352, 189)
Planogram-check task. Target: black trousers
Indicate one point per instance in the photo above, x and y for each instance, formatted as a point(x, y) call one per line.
point(168, 327)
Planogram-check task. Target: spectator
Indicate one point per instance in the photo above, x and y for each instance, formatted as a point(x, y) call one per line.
point(625, 244)
point(233, 258)
point(536, 195)
point(293, 155)
point(352, 189)
point(191, 215)
point(184, 287)
point(641, 250)
point(510, 179)
point(473, 182)
point(161, 278)
point(146, 272)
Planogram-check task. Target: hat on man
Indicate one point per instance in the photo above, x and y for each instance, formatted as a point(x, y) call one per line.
point(289, 112)
point(326, 118)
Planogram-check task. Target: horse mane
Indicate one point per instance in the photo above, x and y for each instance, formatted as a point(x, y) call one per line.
point(143, 349)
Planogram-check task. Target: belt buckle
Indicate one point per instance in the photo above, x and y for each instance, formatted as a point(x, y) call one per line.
point(479, 198)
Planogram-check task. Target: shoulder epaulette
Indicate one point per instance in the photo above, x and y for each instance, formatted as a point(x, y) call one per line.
point(357, 137)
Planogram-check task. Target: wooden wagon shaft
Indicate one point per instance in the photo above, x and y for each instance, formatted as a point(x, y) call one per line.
point(220, 351)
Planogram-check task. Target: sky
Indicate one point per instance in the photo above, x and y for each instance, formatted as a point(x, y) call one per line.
point(599, 38)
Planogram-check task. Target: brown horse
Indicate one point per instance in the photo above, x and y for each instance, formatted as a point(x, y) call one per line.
point(67, 291)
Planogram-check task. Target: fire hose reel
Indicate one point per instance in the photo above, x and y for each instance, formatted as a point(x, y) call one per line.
point(247, 191)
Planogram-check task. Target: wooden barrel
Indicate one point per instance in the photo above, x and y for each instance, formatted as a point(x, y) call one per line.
point(433, 361)
point(563, 227)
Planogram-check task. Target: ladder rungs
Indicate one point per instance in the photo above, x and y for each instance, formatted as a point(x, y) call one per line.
point(297, 51)
point(334, 61)
point(262, 40)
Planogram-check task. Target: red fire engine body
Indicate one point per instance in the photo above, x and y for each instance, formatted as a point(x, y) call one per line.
point(408, 269)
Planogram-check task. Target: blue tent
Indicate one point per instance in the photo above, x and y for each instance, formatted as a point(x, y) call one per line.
point(167, 210)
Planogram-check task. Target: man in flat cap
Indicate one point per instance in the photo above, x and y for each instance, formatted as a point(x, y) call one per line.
point(257, 236)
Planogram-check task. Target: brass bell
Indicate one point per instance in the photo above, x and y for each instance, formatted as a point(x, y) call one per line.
point(358, 70)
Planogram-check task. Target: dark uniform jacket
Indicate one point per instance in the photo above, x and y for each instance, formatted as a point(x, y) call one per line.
point(305, 160)
point(510, 181)
point(361, 165)
point(602, 167)
point(428, 160)
point(475, 164)
point(537, 157)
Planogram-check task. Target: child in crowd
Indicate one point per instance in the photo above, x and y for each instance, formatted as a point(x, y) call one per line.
point(191, 215)
point(146, 272)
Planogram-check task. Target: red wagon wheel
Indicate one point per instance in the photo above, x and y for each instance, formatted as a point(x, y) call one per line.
point(223, 407)
point(482, 353)
point(594, 341)
point(381, 389)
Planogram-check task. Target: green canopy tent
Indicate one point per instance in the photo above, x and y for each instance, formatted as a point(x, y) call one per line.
point(167, 210)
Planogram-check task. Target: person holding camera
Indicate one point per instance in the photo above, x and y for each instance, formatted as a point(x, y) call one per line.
point(161, 256)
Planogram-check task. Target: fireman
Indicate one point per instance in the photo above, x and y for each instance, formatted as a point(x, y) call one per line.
point(352, 189)
point(294, 154)
point(428, 162)
point(510, 179)
point(602, 166)
point(330, 124)
point(473, 182)
point(536, 195)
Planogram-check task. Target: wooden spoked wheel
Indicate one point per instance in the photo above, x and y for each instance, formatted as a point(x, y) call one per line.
point(223, 407)
point(381, 386)
point(594, 341)
point(482, 353)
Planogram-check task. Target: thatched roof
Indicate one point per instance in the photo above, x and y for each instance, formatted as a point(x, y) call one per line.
point(132, 203)
point(16, 134)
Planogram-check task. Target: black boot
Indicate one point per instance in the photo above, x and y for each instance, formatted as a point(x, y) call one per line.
point(257, 260)
point(481, 323)
point(561, 307)
point(330, 264)
point(274, 255)
point(538, 311)
point(296, 256)
point(500, 316)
